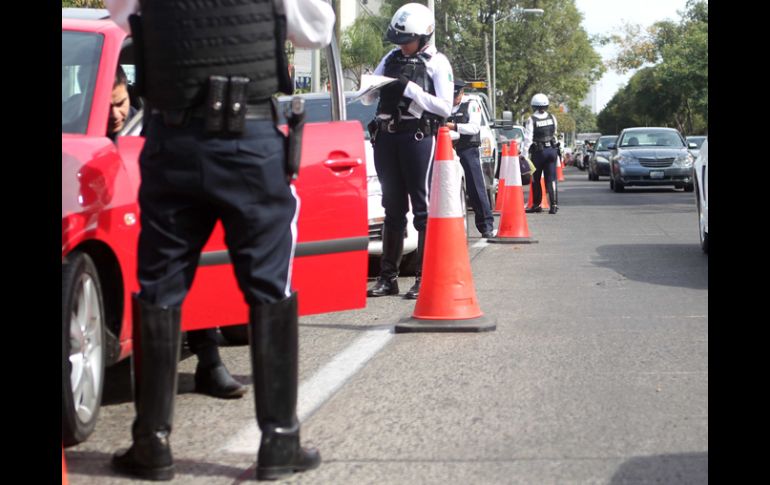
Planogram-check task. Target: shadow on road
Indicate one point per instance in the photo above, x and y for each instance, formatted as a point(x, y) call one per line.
point(681, 265)
point(94, 463)
point(682, 468)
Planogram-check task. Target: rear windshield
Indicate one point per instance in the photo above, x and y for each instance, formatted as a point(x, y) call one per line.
point(320, 109)
point(79, 63)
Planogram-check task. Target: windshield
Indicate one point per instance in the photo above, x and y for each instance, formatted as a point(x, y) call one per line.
point(513, 134)
point(601, 145)
point(320, 109)
point(646, 139)
point(79, 63)
point(698, 140)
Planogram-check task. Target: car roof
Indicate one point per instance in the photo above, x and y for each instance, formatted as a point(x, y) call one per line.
point(644, 128)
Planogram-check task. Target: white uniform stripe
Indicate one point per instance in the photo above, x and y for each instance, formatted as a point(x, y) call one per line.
point(445, 190)
point(287, 290)
point(427, 173)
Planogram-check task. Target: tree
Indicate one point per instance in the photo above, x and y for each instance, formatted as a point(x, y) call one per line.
point(82, 4)
point(673, 91)
point(362, 46)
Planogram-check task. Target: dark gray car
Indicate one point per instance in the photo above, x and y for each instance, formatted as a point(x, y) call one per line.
point(650, 157)
point(599, 161)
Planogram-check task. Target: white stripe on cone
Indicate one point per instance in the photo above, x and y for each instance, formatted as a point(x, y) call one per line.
point(514, 173)
point(445, 190)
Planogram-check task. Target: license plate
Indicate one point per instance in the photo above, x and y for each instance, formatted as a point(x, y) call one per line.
point(656, 174)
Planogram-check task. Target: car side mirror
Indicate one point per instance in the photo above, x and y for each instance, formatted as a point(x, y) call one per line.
point(612, 146)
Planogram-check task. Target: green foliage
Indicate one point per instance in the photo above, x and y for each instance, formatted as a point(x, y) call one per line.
point(674, 91)
point(82, 4)
point(362, 46)
point(551, 54)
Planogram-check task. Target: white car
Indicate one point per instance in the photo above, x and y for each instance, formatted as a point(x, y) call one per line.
point(701, 178)
point(488, 149)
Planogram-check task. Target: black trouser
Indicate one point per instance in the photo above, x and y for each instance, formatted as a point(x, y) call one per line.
point(191, 180)
point(476, 187)
point(545, 162)
point(403, 167)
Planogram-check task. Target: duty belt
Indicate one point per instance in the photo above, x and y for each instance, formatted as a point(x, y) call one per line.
point(180, 117)
point(391, 126)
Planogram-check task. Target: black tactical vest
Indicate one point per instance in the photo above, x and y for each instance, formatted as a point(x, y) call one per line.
point(395, 65)
point(186, 41)
point(543, 130)
point(462, 116)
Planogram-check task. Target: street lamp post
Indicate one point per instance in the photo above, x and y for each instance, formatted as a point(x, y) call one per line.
point(495, 20)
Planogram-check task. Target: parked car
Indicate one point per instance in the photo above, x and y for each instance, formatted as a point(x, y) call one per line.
point(599, 159)
point(100, 223)
point(650, 156)
point(701, 178)
point(697, 141)
point(318, 108)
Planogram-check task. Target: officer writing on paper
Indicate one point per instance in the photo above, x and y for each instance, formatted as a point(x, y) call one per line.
point(540, 142)
point(409, 114)
point(213, 153)
point(465, 124)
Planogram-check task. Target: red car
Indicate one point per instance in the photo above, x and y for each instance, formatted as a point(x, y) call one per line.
point(100, 224)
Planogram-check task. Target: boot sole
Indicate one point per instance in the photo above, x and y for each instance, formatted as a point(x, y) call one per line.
point(156, 474)
point(274, 473)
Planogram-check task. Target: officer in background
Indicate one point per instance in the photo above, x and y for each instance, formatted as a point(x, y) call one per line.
point(465, 124)
point(540, 142)
point(213, 152)
point(409, 114)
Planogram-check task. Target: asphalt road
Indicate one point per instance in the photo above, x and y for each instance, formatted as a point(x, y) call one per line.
point(597, 371)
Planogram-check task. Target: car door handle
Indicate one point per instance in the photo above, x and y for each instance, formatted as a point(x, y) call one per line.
point(343, 165)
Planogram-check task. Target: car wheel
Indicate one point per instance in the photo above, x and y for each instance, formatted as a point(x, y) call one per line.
point(617, 186)
point(408, 264)
point(689, 187)
point(83, 347)
point(235, 334)
point(704, 236)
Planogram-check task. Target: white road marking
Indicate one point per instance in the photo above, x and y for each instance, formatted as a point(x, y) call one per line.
point(321, 386)
point(481, 243)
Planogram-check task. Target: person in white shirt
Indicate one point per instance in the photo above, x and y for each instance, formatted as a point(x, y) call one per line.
point(213, 153)
point(409, 114)
point(466, 122)
point(540, 142)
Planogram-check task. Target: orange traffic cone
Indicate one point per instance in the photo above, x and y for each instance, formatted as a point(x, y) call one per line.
point(559, 170)
point(447, 300)
point(544, 195)
point(513, 223)
point(501, 181)
point(63, 468)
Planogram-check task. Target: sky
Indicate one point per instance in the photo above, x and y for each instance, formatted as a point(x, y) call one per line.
point(605, 16)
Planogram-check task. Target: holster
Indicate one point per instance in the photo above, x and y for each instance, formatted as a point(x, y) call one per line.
point(295, 117)
point(373, 128)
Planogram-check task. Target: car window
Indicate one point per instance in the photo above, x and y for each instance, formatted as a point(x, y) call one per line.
point(651, 139)
point(320, 109)
point(513, 134)
point(698, 140)
point(80, 53)
point(601, 144)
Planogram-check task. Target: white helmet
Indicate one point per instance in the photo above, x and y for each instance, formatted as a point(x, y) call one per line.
point(540, 100)
point(410, 22)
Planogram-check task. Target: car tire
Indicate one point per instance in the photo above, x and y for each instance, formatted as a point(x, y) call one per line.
point(83, 347)
point(689, 187)
point(235, 334)
point(702, 234)
point(408, 264)
point(617, 187)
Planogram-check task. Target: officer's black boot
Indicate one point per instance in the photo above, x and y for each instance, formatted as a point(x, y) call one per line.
point(157, 338)
point(414, 291)
point(392, 250)
point(273, 341)
point(552, 198)
point(211, 376)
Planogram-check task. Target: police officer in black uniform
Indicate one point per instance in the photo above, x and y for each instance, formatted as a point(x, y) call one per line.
point(466, 123)
point(404, 131)
point(213, 152)
point(540, 142)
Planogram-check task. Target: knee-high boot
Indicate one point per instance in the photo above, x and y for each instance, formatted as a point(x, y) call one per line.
point(273, 341)
point(157, 338)
point(553, 197)
point(392, 250)
point(414, 291)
